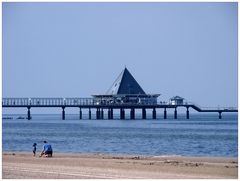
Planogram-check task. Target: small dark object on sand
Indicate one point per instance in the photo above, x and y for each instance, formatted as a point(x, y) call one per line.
point(136, 158)
point(20, 117)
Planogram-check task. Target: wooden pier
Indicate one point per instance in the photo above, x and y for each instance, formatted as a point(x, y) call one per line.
point(100, 107)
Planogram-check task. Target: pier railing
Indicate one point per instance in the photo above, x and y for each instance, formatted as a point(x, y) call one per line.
point(41, 102)
point(47, 101)
point(211, 108)
point(62, 102)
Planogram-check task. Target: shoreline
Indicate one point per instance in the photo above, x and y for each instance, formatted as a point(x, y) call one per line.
point(97, 165)
point(122, 154)
point(125, 154)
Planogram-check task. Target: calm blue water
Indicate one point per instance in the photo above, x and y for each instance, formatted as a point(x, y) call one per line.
point(201, 135)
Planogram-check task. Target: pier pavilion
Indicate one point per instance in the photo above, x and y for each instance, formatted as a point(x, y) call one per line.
point(125, 90)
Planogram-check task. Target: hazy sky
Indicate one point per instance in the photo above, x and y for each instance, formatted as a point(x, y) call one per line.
point(78, 49)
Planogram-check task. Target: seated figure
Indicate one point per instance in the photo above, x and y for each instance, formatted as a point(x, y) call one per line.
point(47, 150)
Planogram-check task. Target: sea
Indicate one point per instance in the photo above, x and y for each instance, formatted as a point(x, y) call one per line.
point(201, 135)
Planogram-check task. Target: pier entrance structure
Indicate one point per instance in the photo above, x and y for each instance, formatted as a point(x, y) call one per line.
point(125, 90)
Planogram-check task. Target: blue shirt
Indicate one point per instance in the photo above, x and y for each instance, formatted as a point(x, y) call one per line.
point(47, 147)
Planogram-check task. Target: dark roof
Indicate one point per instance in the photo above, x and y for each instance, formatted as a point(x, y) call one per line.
point(126, 95)
point(125, 84)
point(177, 98)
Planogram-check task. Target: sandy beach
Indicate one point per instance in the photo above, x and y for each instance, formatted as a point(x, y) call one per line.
point(96, 166)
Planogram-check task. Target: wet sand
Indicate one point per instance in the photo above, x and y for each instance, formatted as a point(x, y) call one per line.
point(25, 166)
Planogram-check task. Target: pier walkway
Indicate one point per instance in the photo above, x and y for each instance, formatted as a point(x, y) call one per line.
point(100, 106)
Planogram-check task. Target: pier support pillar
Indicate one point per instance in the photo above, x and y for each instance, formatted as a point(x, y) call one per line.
point(102, 114)
point(220, 115)
point(80, 113)
point(63, 113)
point(89, 114)
point(175, 113)
point(97, 113)
point(29, 114)
point(154, 114)
point(143, 113)
point(165, 113)
point(111, 113)
point(132, 113)
point(122, 113)
point(187, 113)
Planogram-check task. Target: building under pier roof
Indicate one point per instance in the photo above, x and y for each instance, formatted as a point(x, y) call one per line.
point(176, 100)
point(126, 90)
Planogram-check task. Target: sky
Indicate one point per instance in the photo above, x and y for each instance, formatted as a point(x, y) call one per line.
point(79, 49)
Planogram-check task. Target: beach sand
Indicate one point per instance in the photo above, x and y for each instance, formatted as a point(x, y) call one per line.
point(20, 165)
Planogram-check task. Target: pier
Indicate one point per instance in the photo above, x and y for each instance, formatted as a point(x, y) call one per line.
point(124, 94)
point(92, 104)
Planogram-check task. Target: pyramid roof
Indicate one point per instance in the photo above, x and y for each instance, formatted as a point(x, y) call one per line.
point(125, 84)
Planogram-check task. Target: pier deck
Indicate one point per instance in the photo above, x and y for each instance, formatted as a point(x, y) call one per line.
point(91, 103)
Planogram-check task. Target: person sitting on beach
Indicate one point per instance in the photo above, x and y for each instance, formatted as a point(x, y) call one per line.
point(47, 150)
point(34, 149)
